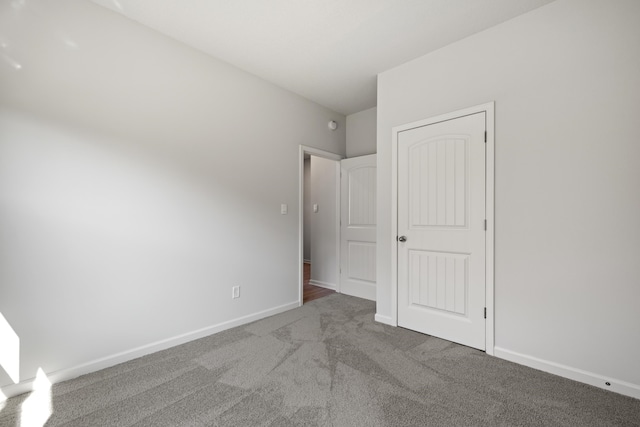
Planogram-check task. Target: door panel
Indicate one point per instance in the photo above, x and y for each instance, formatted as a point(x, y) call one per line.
point(438, 193)
point(439, 281)
point(441, 212)
point(358, 227)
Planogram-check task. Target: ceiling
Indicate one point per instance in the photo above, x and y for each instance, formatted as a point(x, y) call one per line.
point(329, 51)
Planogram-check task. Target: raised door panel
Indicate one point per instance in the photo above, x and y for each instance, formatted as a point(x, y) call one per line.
point(362, 261)
point(361, 196)
point(438, 281)
point(438, 182)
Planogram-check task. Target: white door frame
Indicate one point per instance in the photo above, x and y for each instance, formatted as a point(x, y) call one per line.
point(488, 108)
point(326, 155)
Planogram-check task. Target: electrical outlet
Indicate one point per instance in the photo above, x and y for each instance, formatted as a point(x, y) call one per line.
point(235, 292)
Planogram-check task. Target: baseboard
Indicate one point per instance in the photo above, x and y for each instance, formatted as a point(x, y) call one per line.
point(387, 320)
point(323, 284)
point(600, 381)
point(306, 261)
point(106, 362)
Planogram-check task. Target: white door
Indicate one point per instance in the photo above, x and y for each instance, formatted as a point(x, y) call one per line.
point(358, 226)
point(441, 229)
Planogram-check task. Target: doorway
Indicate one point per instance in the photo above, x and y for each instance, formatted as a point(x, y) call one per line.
point(325, 212)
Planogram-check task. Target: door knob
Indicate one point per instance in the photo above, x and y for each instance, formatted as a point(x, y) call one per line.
point(402, 239)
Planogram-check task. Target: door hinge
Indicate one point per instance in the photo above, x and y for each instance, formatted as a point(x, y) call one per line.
point(485, 225)
point(485, 312)
point(485, 136)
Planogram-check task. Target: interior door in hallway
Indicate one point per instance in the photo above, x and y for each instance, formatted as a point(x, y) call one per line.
point(441, 229)
point(358, 226)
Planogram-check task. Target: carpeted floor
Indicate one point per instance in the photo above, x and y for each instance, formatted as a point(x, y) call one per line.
point(327, 364)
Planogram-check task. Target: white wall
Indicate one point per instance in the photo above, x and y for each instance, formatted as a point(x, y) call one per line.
point(139, 179)
point(361, 133)
point(566, 82)
point(307, 211)
point(324, 241)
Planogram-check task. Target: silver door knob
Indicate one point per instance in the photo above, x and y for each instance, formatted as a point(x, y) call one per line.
point(402, 239)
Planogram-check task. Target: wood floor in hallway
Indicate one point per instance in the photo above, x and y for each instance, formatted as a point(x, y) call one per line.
point(311, 292)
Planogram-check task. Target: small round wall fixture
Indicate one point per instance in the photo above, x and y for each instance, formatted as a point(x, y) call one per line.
point(333, 125)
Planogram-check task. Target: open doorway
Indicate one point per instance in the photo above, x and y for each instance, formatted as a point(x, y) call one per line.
point(319, 227)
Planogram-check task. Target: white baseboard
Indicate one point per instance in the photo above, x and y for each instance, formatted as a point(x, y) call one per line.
point(618, 386)
point(106, 362)
point(306, 261)
point(387, 320)
point(323, 284)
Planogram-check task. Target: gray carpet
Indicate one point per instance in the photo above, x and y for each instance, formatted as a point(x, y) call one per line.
point(327, 364)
